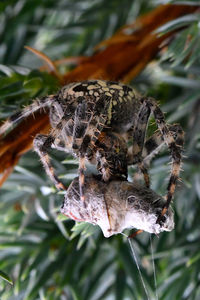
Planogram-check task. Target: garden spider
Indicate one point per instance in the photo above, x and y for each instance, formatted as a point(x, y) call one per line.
point(85, 114)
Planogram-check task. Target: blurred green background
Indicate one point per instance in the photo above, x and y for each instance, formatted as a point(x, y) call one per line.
point(46, 256)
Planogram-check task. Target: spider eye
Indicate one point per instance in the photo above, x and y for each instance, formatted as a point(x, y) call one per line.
point(131, 199)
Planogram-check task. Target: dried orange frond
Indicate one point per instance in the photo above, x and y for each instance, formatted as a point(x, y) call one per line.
point(50, 64)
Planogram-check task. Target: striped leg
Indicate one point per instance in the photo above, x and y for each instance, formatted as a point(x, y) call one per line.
point(86, 149)
point(156, 142)
point(175, 146)
point(139, 133)
point(81, 123)
point(42, 103)
point(41, 145)
point(103, 165)
point(103, 109)
point(82, 176)
point(82, 120)
point(87, 128)
point(172, 137)
point(92, 132)
point(151, 147)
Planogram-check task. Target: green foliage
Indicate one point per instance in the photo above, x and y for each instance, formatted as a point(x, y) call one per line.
point(46, 256)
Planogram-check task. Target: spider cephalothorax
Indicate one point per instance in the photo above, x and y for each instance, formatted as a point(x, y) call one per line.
point(89, 117)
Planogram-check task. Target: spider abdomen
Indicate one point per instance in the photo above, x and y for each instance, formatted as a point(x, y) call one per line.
point(116, 101)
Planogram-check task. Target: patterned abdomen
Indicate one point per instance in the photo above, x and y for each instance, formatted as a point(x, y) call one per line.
point(116, 102)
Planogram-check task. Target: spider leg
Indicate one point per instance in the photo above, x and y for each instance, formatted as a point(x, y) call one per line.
point(150, 148)
point(174, 145)
point(14, 119)
point(87, 122)
point(41, 145)
point(88, 126)
point(103, 165)
point(82, 120)
point(139, 133)
point(102, 114)
point(81, 123)
point(82, 176)
point(135, 233)
point(156, 142)
point(93, 131)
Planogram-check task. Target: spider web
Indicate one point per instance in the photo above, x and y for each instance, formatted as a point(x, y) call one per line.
point(132, 247)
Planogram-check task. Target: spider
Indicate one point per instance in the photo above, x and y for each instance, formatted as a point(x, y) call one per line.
point(90, 118)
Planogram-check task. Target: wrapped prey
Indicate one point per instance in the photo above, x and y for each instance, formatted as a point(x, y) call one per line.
point(117, 205)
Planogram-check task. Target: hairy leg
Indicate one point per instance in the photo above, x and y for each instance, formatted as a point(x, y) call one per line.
point(139, 133)
point(175, 146)
point(174, 139)
point(42, 143)
point(174, 142)
point(87, 128)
